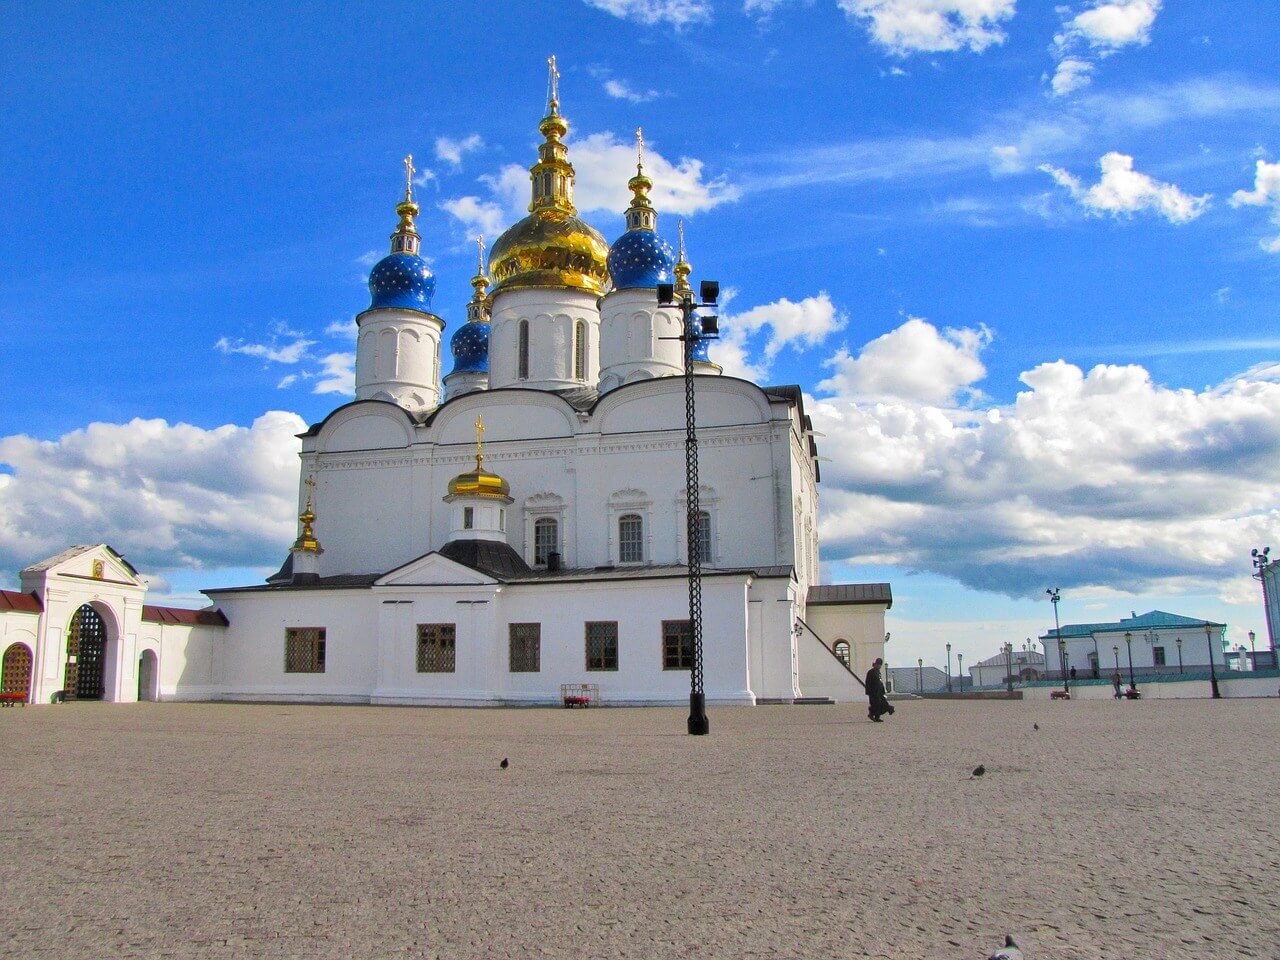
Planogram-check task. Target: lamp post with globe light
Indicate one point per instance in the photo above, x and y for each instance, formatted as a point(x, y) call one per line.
point(1253, 651)
point(1128, 642)
point(920, 675)
point(1261, 562)
point(1008, 665)
point(948, 668)
point(1178, 641)
point(960, 670)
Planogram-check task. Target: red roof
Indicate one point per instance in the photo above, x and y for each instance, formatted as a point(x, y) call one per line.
point(194, 618)
point(21, 602)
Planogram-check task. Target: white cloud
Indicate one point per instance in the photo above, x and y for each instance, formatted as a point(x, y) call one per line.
point(762, 10)
point(914, 362)
point(1007, 159)
point(1123, 191)
point(451, 151)
point(1097, 479)
point(603, 165)
point(342, 329)
point(1111, 24)
point(165, 495)
point(750, 341)
point(1100, 29)
point(273, 352)
point(287, 381)
point(369, 258)
point(677, 13)
point(928, 26)
point(338, 374)
point(1265, 192)
point(1071, 75)
point(621, 90)
point(478, 216)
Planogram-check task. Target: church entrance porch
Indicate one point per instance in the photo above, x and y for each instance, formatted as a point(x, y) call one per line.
point(15, 671)
point(86, 655)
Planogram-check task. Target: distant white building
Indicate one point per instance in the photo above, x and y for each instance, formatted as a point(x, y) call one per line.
point(1160, 642)
point(1024, 664)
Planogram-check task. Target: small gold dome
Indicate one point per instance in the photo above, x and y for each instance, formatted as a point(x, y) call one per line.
point(480, 483)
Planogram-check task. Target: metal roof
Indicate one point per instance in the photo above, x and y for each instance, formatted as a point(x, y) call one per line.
point(850, 593)
point(19, 602)
point(70, 553)
point(1153, 619)
point(181, 615)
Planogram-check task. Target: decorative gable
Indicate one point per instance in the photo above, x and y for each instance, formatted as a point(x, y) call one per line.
point(433, 570)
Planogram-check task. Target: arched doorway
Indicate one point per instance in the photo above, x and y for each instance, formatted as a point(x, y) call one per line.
point(148, 676)
point(15, 670)
point(86, 655)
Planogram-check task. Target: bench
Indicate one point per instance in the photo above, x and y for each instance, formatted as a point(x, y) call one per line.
point(580, 694)
point(9, 699)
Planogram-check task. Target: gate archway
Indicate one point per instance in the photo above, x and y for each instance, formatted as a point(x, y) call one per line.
point(15, 670)
point(86, 655)
point(148, 676)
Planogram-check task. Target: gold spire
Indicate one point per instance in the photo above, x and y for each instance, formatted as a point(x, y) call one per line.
point(307, 542)
point(552, 175)
point(406, 239)
point(682, 267)
point(640, 215)
point(551, 247)
point(478, 308)
point(480, 482)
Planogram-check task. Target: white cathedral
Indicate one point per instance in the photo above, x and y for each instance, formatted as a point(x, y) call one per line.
point(523, 532)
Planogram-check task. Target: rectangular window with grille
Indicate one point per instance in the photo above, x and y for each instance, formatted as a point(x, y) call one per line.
point(304, 649)
point(630, 539)
point(546, 540)
point(602, 645)
point(1157, 656)
point(526, 647)
point(436, 647)
point(677, 645)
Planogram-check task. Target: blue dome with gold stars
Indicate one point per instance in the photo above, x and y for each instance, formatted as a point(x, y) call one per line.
point(401, 280)
point(640, 258)
point(470, 347)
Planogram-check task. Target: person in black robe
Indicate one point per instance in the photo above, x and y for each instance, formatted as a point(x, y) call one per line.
point(879, 703)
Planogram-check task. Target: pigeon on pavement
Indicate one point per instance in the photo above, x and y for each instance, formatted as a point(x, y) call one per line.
point(979, 770)
point(1010, 951)
point(505, 763)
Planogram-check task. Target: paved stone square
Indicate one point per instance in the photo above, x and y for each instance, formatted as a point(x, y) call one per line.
point(1144, 830)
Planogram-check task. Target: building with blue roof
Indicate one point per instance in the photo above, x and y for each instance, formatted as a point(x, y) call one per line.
point(1158, 641)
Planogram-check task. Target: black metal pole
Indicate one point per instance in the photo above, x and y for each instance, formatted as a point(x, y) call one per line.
point(920, 676)
point(1008, 665)
point(699, 724)
point(1062, 647)
point(1213, 670)
point(1128, 643)
point(948, 668)
point(1178, 642)
point(1261, 561)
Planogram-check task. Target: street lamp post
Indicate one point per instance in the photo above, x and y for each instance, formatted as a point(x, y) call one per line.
point(1055, 594)
point(1008, 665)
point(920, 675)
point(1253, 651)
point(691, 334)
point(1213, 670)
point(1116, 653)
point(1097, 662)
point(960, 670)
point(1128, 642)
point(1262, 560)
point(948, 668)
point(1178, 641)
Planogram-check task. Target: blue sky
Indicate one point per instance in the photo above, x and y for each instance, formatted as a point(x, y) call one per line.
point(1019, 255)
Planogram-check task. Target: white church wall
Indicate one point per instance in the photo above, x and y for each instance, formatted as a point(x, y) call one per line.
point(552, 316)
point(861, 625)
point(822, 675)
point(772, 660)
point(253, 656)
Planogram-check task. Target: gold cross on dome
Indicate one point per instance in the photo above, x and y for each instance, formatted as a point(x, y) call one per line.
point(479, 440)
point(480, 253)
point(553, 80)
point(639, 147)
point(409, 171)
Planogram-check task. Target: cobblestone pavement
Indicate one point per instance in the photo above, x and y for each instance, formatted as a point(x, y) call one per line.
point(1144, 830)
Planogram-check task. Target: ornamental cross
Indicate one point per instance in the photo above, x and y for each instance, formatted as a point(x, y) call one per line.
point(480, 253)
point(479, 440)
point(553, 80)
point(680, 230)
point(639, 147)
point(409, 171)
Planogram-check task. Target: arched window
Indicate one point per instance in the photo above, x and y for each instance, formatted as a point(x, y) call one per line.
point(580, 350)
point(522, 361)
point(546, 540)
point(704, 536)
point(842, 653)
point(630, 538)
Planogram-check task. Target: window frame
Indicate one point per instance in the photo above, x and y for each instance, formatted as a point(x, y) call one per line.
point(423, 663)
point(683, 653)
point(847, 659)
point(601, 659)
point(536, 641)
point(637, 542)
point(317, 662)
point(580, 350)
point(522, 349)
point(543, 522)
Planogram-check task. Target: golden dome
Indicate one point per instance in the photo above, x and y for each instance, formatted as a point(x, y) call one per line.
point(551, 247)
point(480, 482)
